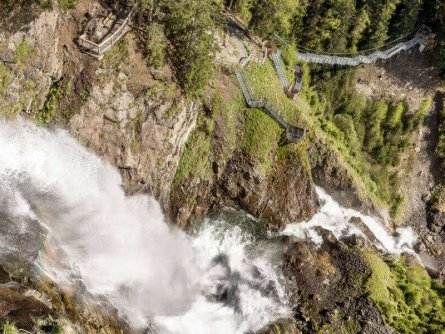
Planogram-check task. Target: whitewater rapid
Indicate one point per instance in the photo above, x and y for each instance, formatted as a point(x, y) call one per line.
point(339, 220)
point(214, 282)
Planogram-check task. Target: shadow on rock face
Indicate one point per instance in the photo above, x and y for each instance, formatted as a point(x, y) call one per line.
point(19, 303)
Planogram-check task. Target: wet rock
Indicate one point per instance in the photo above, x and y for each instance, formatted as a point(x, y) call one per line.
point(288, 326)
point(330, 287)
point(436, 221)
point(419, 247)
point(19, 306)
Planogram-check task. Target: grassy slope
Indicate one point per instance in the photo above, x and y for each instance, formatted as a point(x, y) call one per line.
point(265, 82)
point(224, 103)
point(410, 301)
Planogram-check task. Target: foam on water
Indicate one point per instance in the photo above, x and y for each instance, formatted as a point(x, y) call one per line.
point(337, 219)
point(123, 248)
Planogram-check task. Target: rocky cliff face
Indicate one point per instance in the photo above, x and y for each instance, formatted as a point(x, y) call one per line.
point(30, 62)
point(136, 134)
point(135, 117)
point(328, 289)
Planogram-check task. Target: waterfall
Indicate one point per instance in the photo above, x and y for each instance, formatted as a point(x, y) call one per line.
point(215, 281)
point(340, 221)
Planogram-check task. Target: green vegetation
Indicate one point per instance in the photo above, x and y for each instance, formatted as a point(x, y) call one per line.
point(410, 301)
point(47, 113)
point(182, 30)
point(334, 26)
point(189, 26)
point(45, 4)
point(372, 135)
point(196, 159)
point(437, 201)
point(9, 328)
point(155, 45)
point(440, 149)
point(23, 51)
point(201, 149)
point(50, 326)
point(67, 4)
point(433, 14)
point(260, 136)
point(5, 77)
point(114, 58)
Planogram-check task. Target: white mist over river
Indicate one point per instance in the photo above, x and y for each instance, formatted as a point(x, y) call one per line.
point(212, 282)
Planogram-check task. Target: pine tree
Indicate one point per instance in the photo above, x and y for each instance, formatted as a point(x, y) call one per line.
point(275, 16)
point(191, 25)
point(406, 17)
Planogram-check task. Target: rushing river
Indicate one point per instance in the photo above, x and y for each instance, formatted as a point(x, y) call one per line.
point(340, 221)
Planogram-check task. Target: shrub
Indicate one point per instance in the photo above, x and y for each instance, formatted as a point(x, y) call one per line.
point(410, 301)
point(437, 200)
point(67, 4)
point(9, 328)
point(440, 149)
point(416, 120)
point(155, 45)
point(23, 51)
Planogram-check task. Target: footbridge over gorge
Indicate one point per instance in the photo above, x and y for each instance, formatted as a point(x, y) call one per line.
point(421, 39)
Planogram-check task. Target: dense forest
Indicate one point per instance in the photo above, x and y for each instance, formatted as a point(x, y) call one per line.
point(332, 26)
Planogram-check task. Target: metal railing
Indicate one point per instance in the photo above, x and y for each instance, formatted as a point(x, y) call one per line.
point(293, 134)
point(355, 61)
point(98, 49)
point(278, 63)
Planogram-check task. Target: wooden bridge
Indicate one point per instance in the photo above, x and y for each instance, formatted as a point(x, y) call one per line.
point(119, 28)
point(421, 38)
point(293, 134)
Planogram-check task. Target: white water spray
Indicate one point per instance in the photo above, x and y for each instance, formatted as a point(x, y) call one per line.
point(122, 246)
point(337, 219)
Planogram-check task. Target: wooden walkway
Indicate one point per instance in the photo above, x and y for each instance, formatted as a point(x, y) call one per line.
point(293, 134)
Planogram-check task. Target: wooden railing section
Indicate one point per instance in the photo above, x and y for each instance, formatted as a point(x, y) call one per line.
point(98, 49)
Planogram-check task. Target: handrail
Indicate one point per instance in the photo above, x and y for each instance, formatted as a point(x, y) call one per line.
point(276, 58)
point(294, 134)
point(108, 41)
point(354, 61)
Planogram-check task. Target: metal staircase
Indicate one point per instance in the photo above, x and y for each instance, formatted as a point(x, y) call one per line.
point(279, 67)
point(293, 134)
point(355, 61)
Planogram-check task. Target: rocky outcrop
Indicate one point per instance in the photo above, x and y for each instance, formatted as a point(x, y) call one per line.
point(29, 64)
point(436, 221)
point(281, 196)
point(37, 283)
point(287, 195)
point(20, 304)
point(136, 134)
point(328, 291)
point(331, 172)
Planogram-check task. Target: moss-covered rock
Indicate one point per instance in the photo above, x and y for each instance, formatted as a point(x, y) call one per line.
point(409, 300)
